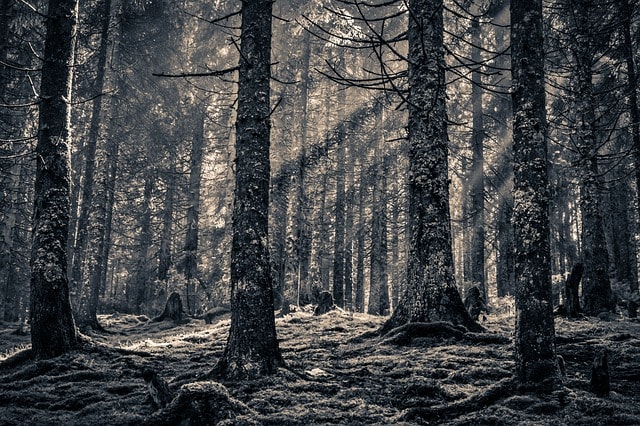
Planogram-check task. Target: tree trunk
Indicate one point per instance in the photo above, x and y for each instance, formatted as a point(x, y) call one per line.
point(303, 230)
point(139, 287)
point(596, 288)
point(53, 330)
point(378, 282)
point(360, 249)
point(193, 211)
point(349, 236)
point(626, 9)
point(165, 260)
point(431, 293)
point(536, 362)
point(90, 291)
point(477, 167)
point(571, 295)
point(252, 347)
point(338, 241)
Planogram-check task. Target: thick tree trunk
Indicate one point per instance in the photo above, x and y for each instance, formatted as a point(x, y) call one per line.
point(252, 348)
point(53, 330)
point(536, 361)
point(431, 293)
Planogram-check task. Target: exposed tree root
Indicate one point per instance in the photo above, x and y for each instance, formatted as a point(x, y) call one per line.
point(406, 333)
point(202, 404)
point(490, 396)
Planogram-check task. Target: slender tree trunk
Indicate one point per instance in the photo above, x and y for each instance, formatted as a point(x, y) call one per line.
point(252, 348)
point(378, 282)
point(596, 288)
point(139, 287)
point(53, 330)
point(88, 306)
point(303, 230)
point(193, 211)
point(431, 293)
point(323, 237)
point(360, 233)
point(626, 9)
point(165, 257)
point(477, 167)
point(349, 234)
point(279, 208)
point(535, 356)
point(339, 231)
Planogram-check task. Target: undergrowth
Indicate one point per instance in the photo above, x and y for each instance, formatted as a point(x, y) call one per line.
point(334, 375)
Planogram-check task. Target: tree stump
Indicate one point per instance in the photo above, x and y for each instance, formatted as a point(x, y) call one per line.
point(172, 310)
point(159, 390)
point(632, 309)
point(600, 374)
point(572, 299)
point(325, 303)
point(474, 303)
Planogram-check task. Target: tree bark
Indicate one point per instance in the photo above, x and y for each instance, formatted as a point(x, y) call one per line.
point(360, 233)
point(252, 347)
point(596, 287)
point(571, 295)
point(338, 241)
point(193, 211)
point(626, 9)
point(90, 291)
point(53, 330)
point(379, 282)
point(536, 361)
point(477, 166)
point(431, 293)
point(165, 257)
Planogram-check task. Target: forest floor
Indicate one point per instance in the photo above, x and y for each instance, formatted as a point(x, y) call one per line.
point(335, 375)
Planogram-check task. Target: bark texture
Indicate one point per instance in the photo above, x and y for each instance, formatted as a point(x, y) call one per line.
point(536, 362)
point(252, 348)
point(596, 287)
point(53, 330)
point(431, 293)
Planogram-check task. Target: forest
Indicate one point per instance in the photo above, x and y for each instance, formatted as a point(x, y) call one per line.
point(319, 212)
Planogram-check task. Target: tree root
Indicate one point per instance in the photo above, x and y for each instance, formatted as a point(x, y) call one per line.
point(490, 396)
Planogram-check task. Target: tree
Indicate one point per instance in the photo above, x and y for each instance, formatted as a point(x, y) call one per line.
point(86, 314)
point(536, 362)
point(477, 165)
point(252, 347)
point(596, 288)
point(53, 330)
point(430, 293)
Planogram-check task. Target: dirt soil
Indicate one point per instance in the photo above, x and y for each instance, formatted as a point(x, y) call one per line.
point(334, 375)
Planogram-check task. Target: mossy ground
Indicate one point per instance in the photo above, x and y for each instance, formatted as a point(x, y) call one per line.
point(333, 375)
